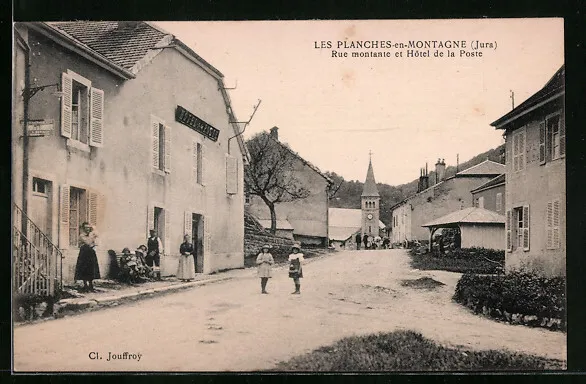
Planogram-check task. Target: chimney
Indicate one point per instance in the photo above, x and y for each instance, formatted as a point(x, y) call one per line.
point(275, 133)
point(440, 171)
point(425, 179)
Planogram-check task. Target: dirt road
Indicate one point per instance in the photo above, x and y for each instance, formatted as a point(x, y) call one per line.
point(230, 326)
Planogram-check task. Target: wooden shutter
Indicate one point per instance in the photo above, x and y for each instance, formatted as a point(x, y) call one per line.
point(155, 137)
point(522, 150)
point(231, 175)
point(96, 117)
point(499, 202)
point(207, 232)
point(150, 224)
point(66, 99)
point(64, 216)
point(549, 225)
point(93, 207)
point(556, 225)
point(166, 240)
point(542, 142)
point(188, 223)
point(167, 150)
point(562, 135)
point(526, 228)
point(508, 229)
point(548, 141)
point(194, 161)
point(203, 164)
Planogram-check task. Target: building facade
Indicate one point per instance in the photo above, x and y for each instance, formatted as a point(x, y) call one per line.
point(140, 141)
point(536, 181)
point(447, 196)
point(308, 216)
point(491, 195)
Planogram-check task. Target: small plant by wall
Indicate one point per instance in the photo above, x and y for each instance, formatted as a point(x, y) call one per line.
point(517, 297)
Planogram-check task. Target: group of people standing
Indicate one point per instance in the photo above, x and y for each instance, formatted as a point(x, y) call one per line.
point(145, 263)
point(265, 261)
point(371, 242)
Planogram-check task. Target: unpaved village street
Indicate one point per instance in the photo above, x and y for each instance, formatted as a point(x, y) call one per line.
point(230, 326)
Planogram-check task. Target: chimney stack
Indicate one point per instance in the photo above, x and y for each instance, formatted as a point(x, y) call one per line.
point(275, 133)
point(423, 183)
point(440, 171)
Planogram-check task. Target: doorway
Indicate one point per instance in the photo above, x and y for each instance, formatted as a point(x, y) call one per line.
point(197, 224)
point(40, 205)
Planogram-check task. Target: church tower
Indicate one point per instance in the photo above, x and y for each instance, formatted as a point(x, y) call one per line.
point(370, 204)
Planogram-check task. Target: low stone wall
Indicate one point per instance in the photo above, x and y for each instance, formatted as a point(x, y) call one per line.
point(253, 241)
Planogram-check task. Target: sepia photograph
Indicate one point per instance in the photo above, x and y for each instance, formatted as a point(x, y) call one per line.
point(289, 196)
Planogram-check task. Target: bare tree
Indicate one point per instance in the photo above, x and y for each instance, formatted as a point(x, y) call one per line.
point(269, 174)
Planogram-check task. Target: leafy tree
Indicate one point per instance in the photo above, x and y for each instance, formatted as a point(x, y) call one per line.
point(269, 174)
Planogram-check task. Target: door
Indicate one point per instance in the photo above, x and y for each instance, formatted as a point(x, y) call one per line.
point(197, 236)
point(40, 205)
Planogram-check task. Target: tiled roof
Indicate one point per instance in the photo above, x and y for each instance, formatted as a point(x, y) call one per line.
point(370, 188)
point(342, 233)
point(487, 167)
point(313, 167)
point(554, 86)
point(123, 46)
point(468, 215)
point(500, 179)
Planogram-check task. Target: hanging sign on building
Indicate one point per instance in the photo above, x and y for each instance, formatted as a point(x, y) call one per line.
point(187, 118)
point(36, 128)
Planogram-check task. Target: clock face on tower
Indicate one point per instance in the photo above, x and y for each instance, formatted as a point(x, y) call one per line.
point(369, 216)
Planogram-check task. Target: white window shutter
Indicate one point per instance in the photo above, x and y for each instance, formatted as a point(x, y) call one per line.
point(499, 201)
point(167, 149)
point(556, 224)
point(509, 237)
point(522, 151)
point(562, 135)
point(96, 117)
point(549, 225)
point(542, 142)
point(166, 241)
point(66, 99)
point(93, 207)
point(207, 230)
point(526, 228)
point(188, 226)
point(155, 142)
point(64, 216)
point(231, 175)
point(150, 220)
point(203, 164)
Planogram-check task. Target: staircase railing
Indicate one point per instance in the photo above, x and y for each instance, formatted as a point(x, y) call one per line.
point(37, 262)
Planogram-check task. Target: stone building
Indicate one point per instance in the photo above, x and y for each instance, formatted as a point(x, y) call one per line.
point(535, 189)
point(140, 139)
point(446, 196)
point(490, 195)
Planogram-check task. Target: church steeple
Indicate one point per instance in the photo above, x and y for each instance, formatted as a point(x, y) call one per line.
point(370, 188)
point(370, 204)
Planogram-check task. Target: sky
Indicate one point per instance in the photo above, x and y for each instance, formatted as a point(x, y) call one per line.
point(407, 111)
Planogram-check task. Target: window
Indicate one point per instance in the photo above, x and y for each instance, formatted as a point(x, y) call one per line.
point(481, 202)
point(517, 228)
point(76, 206)
point(77, 214)
point(499, 202)
point(519, 150)
point(40, 186)
point(552, 138)
point(553, 225)
point(247, 199)
point(82, 109)
point(161, 145)
point(159, 219)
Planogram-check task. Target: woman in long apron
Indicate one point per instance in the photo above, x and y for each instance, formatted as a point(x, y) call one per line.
point(87, 268)
point(186, 270)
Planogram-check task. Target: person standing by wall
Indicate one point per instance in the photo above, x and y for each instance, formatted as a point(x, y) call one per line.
point(265, 262)
point(365, 241)
point(295, 268)
point(358, 241)
point(186, 269)
point(154, 250)
point(87, 268)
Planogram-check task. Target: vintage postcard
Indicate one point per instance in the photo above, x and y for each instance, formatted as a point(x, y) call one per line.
point(289, 196)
